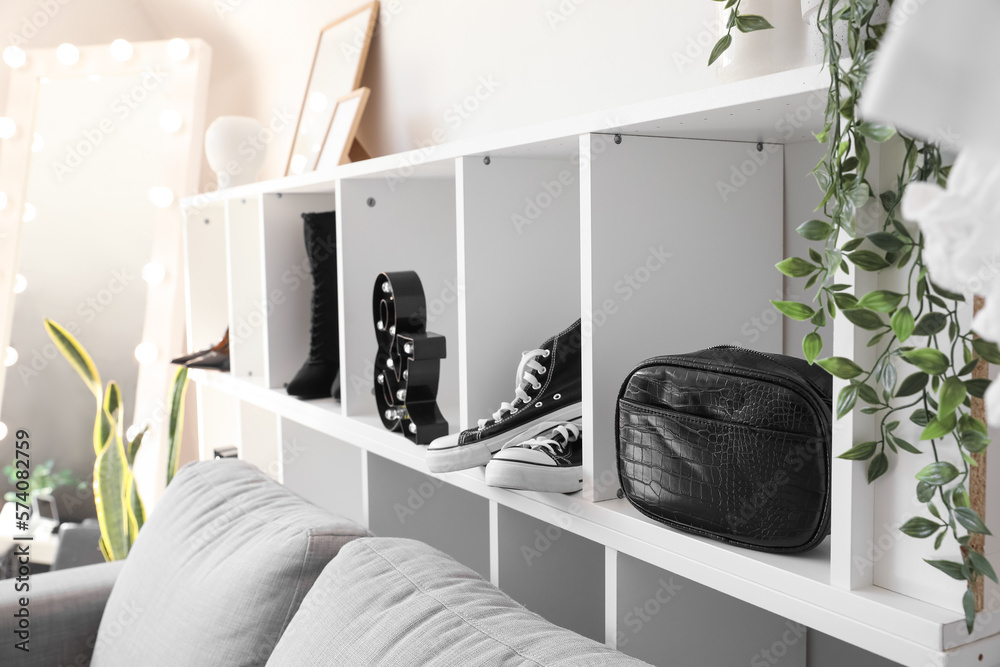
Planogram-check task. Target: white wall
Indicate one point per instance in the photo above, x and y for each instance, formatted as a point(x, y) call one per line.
point(548, 58)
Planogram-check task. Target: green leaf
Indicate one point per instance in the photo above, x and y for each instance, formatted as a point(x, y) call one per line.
point(987, 350)
point(846, 400)
point(912, 384)
point(796, 267)
point(841, 367)
point(76, 355)
point(939, 427)
point(133, 447)
point(812, 345)
point(939, 539)
point(954, 296)
point(960, 497)
point(819, 318)
point(886, 241)
point(867, 394)
point(931, 324)
point(974, 441)
point(720, 47)
point(845, 301)
point(866, 319)
point(938, 473)
point(981, 565)
point(877, 466)
point(925, 491)
point(920, 527)
point(929, 360)
point(860, 452)
point(794, 310)
point(970, 519)
point(110, 470)
point(904, 445)
point(879, 133)
point(952, 394)
point(977, 386)
point(902, 323)
point(921, 417)
point(883, 301)
point(952, 569)
point(969, 607)
point(815, 230)
point(853, 244)
point(868, 260)
point(176, 426)
point(752, 23)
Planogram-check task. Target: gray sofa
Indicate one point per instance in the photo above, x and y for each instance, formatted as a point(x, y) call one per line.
point(234, 569)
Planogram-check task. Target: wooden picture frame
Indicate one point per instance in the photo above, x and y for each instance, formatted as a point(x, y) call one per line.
point(316, 114)
point(343, 129)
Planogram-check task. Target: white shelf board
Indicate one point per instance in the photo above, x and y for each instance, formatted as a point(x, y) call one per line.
point(795, 586)
point(786, 107)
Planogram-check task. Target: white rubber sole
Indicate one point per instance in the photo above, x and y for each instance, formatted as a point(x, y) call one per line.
point(445, 455)
point(529, 477)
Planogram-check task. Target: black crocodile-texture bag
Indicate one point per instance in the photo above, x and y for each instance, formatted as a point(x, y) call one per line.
point(731, 444)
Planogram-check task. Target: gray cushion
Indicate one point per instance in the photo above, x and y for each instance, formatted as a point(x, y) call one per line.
point(218, 571)
point(397, 603)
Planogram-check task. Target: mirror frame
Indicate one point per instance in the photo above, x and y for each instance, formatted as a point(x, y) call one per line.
point(163, 323)
point(373, 7)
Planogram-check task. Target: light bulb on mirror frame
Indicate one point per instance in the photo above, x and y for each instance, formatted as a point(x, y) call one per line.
point(15, 57)
point(146, 353)
point(20, 284)
point(38, 143)
point(68, 54)
point(154, 273)
point(10, 358)
point(30, 213)
point(133, 431)
point(298, 163)
point(178, 49)
point(3, 430)
point(161, 196)
point(121, 50)
point(171, 121)
point(8, 128)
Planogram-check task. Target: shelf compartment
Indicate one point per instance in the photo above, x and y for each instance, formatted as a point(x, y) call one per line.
point(324, 470)
point(698, 264)
point(552, 571)
point(260, 439)
point(223, 429)
point(205, 274)
point(666, 619)
point(405, 503)
point(396, 226)
point(519, 268)
point(247, 294)
point(287, 281)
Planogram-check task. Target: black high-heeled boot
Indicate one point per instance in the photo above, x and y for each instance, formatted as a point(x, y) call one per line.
point(319, 375)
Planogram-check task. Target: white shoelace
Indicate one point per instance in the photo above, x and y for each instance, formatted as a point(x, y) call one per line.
point(566, 433)
point(525, 377)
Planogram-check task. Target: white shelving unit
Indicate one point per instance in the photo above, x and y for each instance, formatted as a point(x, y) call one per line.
point(659, 224)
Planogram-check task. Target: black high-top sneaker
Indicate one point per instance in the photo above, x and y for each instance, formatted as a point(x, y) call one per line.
point(549, 388)
point(549, 460)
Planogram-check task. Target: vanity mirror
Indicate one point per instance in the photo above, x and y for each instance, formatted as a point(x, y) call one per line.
point(100, 144)
point(336, 71)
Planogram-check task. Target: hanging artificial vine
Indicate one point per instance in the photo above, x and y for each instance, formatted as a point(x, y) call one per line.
point(742, 22)
point(919, 330)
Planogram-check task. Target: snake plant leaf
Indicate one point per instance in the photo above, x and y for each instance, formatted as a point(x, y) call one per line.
point(113, 405)
point(176, 427)
point(76, 355)
point(133, 447)
point(109, 495)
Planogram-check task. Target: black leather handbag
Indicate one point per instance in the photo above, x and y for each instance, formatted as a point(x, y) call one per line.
point(731, 444)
